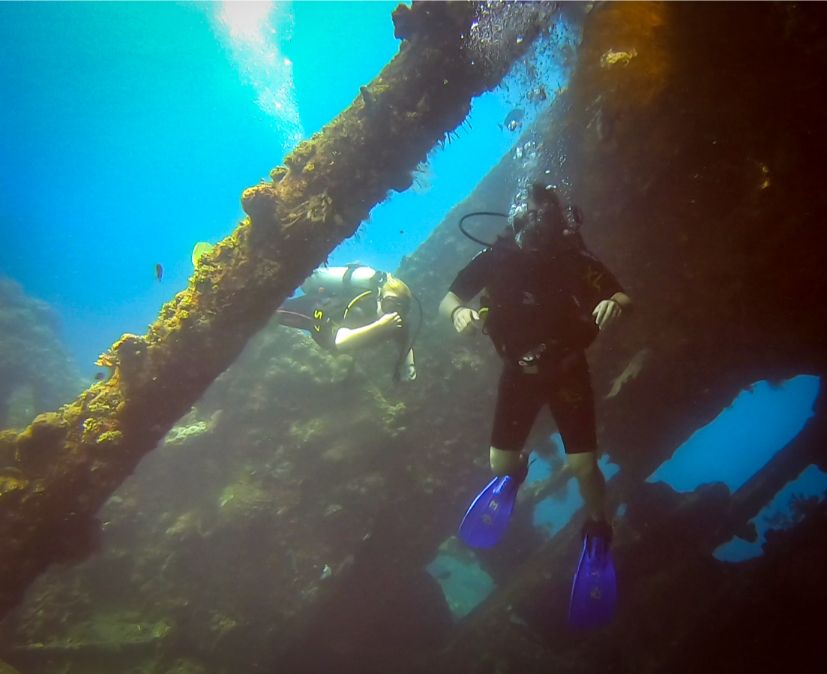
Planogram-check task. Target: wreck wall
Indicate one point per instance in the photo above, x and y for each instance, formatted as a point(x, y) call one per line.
point(692, 138)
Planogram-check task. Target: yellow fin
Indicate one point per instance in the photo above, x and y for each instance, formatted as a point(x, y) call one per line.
point(200, 248)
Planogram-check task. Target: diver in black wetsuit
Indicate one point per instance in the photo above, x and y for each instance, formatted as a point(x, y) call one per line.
point(545, 298)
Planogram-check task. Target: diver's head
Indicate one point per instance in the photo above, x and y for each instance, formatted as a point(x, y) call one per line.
point(543, 226)
point(394, 296)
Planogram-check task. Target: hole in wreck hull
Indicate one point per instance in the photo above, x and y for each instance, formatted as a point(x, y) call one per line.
point(761, 421)
point(738, 443)
point(784, 511)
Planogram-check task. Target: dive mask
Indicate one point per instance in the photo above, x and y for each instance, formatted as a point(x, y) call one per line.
point(393, 303)
point(538, 229)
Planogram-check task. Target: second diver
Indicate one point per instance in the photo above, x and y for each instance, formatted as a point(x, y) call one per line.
point(347, 308)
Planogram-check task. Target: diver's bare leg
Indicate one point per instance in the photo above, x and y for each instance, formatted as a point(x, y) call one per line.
point(505, 462)
point(591, 482)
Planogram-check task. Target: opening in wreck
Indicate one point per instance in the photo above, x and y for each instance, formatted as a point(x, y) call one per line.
point(761, 420)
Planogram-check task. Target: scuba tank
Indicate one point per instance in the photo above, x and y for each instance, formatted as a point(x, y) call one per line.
point(343, 281)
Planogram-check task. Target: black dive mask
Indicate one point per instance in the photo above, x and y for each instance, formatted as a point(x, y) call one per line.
point(548, 227)
point(538, 230)
point(394, 303)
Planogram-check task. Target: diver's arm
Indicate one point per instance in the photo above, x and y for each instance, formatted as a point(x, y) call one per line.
point(464, 318)
point(608, 311)
point(623, 300)
point(348, 339)
point(448, 304)
point(469, 282)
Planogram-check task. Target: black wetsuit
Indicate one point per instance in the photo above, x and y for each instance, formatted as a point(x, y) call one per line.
point(540, 321)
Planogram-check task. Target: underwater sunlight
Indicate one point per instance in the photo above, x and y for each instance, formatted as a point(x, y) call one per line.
point(254, 32)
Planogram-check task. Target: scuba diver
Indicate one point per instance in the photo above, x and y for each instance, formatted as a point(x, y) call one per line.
point(347, 308)
point(544, 299)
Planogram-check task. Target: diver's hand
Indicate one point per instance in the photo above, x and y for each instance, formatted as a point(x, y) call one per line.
point(465, 320)
point(389, 322)
point(606, 313)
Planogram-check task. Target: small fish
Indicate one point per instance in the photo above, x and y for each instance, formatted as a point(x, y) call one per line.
point(327, 572)
point(514, 119)
point(99, 376)
point(159, 271)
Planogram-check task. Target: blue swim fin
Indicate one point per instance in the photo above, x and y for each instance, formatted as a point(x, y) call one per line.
point(594, 590)
point(486, 520)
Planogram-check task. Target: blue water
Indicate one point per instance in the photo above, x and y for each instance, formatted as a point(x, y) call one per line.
point(739, 442)
point(746, 435)
point(129, 130)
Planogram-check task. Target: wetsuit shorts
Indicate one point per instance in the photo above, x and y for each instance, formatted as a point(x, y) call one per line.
point(564, 384)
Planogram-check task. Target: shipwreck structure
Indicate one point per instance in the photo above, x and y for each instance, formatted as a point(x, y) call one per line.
point(692, 136)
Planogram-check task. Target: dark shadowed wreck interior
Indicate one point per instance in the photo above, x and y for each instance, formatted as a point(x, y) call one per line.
point(234, 499)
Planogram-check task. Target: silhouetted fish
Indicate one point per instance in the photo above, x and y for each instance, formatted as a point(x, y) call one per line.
point(159, 271)
point(514, 119)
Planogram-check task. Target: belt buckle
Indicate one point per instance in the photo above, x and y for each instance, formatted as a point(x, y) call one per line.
point(530, 360)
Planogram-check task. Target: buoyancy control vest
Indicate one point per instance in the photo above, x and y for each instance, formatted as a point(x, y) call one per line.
point(535, 301)
point(333, 295)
